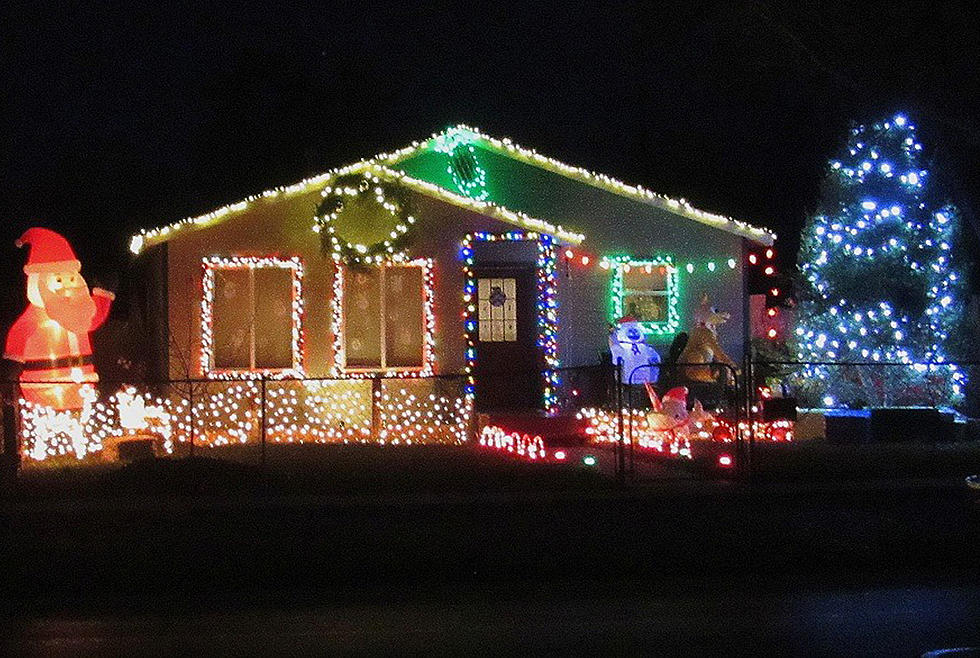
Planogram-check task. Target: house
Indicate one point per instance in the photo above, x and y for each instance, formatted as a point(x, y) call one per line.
point(459, 255)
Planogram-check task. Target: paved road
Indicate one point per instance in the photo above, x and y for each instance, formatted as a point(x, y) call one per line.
point(886, 621)
point(686, 568)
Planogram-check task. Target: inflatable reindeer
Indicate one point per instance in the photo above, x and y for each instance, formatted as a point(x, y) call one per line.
point(703, 346)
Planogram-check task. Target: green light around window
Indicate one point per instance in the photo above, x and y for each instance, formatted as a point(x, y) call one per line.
point(618, 292)
point(464, 168)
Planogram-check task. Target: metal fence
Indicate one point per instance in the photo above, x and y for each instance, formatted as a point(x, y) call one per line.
point(713, 408)
point(864, 419)
point(181, 417)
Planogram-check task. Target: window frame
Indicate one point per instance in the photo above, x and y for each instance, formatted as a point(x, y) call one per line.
point(618, 294)
point(339, 329)
point(210, 266)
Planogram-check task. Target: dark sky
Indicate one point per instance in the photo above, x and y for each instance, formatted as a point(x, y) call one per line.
point(117, 116)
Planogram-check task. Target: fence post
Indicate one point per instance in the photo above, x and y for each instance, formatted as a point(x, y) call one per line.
point(629, 407)
point(750, 413)
point(190, 395)
point(742, 397)
point(10, 431)
point(262, 427)
point(620, 445)
point(375, 407)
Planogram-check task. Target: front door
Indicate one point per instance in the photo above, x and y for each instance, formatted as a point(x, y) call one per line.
point(508, 370)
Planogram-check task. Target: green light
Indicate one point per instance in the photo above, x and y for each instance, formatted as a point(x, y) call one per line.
point(590, 460)
point(618, 293)
point(464, 168)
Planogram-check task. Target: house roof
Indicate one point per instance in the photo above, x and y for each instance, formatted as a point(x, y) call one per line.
point(381, 166)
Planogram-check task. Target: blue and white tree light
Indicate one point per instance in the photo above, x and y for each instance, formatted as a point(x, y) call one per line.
point(879, 279)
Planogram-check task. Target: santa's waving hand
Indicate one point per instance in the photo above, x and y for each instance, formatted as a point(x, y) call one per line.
point(51, 337)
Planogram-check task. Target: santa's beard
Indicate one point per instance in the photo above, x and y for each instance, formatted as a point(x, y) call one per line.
point(74, 312)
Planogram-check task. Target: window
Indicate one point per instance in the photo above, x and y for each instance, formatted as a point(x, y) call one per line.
point(386, 322)
point(497, 310)
point(251, 317)
point(646, 290)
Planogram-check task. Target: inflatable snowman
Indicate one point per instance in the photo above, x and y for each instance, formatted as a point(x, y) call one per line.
point(628, 345)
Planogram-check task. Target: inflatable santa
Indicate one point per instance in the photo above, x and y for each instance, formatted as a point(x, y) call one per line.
point(50, 338)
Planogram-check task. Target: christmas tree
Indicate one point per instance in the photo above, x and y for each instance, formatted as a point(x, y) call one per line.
point(880, 281)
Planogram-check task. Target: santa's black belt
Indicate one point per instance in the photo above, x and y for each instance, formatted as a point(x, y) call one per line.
point(64, 362)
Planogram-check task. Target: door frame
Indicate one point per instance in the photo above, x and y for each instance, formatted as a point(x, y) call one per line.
point(546, 308)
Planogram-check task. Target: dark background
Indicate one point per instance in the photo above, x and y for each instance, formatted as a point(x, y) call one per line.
point(129, 115)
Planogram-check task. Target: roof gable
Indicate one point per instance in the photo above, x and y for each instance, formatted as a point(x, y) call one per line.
point(427, 162)
point(439, 181)
point(149, 237)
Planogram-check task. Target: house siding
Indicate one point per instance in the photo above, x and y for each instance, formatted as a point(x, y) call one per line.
point(283, 228)
point(614, 225)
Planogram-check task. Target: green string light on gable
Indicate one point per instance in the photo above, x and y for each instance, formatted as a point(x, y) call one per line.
point(468, 176)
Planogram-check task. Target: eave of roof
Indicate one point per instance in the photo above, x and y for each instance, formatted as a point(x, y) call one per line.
point(149, 237)
point(681, 206)
point(379, 166)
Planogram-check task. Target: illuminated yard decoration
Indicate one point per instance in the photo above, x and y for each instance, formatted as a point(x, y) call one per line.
point(464, 168)
point(50, 339)
point(230, 413)
point(350, 223)
point(318, 411)
point(652, 302)
point(48, 432)
point(214, 264)
point(514, 444)
point(428, 329)
point(881, 280)
point(547, 308)
point(603, 427)
point(413, 413)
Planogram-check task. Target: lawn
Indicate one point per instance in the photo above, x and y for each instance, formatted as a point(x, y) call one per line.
point(819, 460)
point(310, 470)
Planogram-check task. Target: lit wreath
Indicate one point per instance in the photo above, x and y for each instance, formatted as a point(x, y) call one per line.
point(363, 187)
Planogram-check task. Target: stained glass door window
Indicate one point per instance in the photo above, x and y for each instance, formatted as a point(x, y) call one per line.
point(497, 309)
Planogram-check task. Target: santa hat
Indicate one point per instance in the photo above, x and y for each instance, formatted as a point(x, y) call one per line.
point(678, 394)
point(50, 252)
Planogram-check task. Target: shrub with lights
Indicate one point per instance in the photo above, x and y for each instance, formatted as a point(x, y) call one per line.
point(880, 280)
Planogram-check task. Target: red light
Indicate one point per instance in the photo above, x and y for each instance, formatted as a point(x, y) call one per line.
point(753, 259)
point(569, 254)
point(771, 312)
point(774, 292)
point(560, 455)
point(772, 333)
point(575, 392)
point(721, 433)
point(769, 270)
point(585, 260)
point(768, 253)
point(725, 461)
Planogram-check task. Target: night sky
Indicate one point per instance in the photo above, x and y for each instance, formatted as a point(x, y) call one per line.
point(125, 116)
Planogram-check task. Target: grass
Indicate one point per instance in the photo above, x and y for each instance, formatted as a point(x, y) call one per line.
point(370, 470)
point(309, 470)
point(819, 460)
